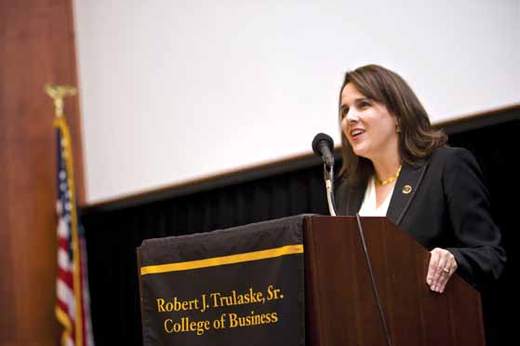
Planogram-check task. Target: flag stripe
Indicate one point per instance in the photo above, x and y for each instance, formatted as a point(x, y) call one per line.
point(63, 260)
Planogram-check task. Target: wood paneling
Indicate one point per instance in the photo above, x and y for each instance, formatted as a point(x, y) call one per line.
point(36, 47)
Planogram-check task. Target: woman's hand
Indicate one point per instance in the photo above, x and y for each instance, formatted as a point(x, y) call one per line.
point(441, 268)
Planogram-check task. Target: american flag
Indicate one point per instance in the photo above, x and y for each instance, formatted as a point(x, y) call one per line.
point(73, 301)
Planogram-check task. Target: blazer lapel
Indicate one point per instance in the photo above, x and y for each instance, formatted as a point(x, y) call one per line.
point(405, 188)
point(355, 199)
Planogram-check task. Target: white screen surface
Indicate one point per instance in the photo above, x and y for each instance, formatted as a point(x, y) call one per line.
point(173, 91)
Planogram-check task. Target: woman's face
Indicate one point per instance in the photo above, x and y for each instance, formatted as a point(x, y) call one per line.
point(368, 126)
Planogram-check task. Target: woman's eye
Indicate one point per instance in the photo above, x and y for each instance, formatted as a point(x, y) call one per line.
point(364, 105)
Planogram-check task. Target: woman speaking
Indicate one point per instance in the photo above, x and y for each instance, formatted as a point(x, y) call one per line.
point(396, 165)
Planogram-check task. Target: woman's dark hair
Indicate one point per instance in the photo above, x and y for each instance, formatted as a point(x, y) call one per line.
point(417, 138)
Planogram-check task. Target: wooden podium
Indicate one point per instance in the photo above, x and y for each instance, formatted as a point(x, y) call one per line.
point(344, 303)
point(341, 304)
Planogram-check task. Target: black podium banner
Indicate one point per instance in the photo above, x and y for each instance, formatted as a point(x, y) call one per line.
point(239, 286)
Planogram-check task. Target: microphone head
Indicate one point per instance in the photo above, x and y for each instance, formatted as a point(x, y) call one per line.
point(322, 139)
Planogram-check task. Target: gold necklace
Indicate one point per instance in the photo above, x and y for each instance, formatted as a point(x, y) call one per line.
point(389, 180)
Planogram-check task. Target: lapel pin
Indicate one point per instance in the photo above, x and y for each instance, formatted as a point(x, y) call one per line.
point(407, 189)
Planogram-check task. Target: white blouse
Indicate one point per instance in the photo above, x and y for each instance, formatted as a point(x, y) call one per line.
point(368, 208)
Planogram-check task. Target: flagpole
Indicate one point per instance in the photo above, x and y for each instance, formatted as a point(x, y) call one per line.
point(58, 93)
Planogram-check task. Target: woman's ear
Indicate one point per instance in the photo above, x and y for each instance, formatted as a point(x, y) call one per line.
point(397, 127)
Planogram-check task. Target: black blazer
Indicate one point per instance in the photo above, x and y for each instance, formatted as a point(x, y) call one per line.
point(442, 202)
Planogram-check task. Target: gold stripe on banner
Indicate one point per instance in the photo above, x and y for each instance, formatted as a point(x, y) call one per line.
point(218, 261)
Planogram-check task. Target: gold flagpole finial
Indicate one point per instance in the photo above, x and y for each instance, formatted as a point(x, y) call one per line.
point(58, 93)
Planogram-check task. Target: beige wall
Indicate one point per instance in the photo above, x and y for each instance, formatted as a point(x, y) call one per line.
point(196, 88)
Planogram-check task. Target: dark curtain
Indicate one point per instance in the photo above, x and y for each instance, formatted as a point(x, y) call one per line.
point(496, 148)
point(114, 233)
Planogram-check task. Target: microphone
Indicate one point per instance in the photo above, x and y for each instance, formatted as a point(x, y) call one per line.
point(323, 145)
